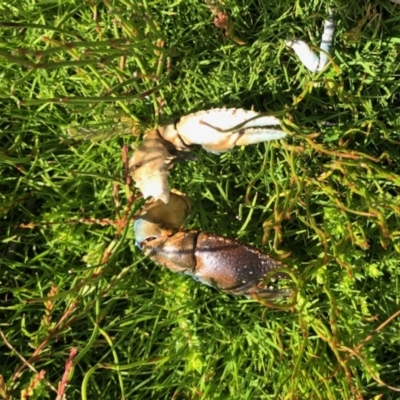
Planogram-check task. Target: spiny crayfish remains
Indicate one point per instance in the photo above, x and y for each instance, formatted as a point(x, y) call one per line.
point(214, 260)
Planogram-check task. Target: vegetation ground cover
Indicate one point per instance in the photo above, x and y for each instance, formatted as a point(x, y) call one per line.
point(84, 314)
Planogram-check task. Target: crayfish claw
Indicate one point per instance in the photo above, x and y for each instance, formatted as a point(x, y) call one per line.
point(217, 261)
point(216, 130)
point(223, 263)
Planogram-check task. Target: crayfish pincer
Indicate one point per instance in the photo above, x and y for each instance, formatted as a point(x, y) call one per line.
point(217, 130)
point(217, 261)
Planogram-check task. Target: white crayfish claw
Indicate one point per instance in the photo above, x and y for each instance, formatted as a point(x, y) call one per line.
point(222, 129)
point(216, 130)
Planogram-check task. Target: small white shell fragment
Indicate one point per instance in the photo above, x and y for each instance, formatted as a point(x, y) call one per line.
point(312, 61)
point(303, 51)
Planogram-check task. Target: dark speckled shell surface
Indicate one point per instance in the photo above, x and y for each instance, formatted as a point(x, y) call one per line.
point(229, 265)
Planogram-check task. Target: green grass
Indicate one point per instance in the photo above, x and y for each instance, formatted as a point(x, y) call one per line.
point(325, 201)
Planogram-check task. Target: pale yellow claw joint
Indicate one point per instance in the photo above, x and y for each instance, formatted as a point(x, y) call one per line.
point(160, 218)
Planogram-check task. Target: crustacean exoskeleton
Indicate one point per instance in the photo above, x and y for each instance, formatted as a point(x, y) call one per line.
point(217, 130)
point(217, 261)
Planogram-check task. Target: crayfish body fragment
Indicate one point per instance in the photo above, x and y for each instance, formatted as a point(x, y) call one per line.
point(214, 260)
point(217, 261)
point(217, 130)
